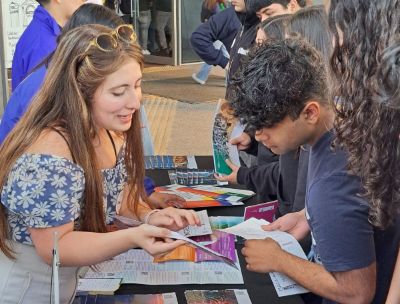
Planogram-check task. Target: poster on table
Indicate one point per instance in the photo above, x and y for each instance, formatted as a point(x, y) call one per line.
point(17, 14)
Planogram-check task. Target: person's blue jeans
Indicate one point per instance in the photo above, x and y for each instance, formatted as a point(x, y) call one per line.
point(205, 68)
point(144, 24)
point(202, 74)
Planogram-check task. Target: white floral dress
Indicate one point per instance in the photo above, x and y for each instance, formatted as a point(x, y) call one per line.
point(46, 191)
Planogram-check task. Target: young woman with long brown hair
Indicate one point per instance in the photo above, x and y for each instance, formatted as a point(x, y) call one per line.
point(366, 126)
point(74, 155)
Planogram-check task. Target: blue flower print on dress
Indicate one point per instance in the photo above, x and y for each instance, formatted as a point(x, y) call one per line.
point(46, 191)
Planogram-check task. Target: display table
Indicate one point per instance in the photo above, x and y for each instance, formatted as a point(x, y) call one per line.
point(259, 286)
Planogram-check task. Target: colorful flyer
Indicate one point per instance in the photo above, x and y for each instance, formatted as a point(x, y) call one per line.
point(201, 196)
point(162, 298)
point(265, 211)
point(224, 125)
point(229, 296)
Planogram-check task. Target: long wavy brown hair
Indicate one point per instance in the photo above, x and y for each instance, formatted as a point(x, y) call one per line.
point(362, 30)
point(65, 102)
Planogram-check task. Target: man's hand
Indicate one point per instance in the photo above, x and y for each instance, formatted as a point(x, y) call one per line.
point(231, 178)
point(243, 141)
point(262, 255)
point(163, 200)
point(294, 223)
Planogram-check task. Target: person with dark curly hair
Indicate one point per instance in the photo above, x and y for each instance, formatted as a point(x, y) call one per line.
point(286, 178)
point(282, 95)
point(367, 126)
point(387, 102)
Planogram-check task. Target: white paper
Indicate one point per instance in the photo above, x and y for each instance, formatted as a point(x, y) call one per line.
point(136, 267)
point(242, 296)
point(203, 229)
point(170, 298)
point(251, 229)
point(98, 285)
point(238, 129)
point(286, 291)
point(191, 162)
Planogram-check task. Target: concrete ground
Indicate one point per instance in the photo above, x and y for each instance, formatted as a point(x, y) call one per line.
point(179, 110)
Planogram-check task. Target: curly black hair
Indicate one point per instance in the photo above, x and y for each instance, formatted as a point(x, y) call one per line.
point(382, 178)
point(362, 30)
point(277, 80)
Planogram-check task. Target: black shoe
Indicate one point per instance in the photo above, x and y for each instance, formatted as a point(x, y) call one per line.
point(163, 52)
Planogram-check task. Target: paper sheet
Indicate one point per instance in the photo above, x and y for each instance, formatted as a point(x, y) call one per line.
point(98, 286)
point(136, 267)
point(203, 229)
point(251, 229)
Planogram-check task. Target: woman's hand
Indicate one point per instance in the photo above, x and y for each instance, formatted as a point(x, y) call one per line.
point(173, 218)
point(155, 240)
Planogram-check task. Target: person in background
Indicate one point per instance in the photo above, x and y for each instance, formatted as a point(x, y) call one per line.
point(208, 9)
point(280, 7)
point(272, 28)
point(22, 96)
point(222, 27)
point(367, 123)
point(144, 24)
point(40, 37)
point(312, 24)
point(74, 161)
point(163, 23)
point(387, 100)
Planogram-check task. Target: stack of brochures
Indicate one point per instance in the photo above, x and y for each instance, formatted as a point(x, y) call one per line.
point(201, 196)
point(169, 162)
point(191, 177)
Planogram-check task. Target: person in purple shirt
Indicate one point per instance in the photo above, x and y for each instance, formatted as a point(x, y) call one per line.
point(39, 38)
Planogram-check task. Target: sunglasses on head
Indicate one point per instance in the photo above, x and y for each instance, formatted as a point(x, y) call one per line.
point(109, 41)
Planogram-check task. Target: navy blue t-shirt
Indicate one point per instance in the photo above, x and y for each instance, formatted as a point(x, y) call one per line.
point(343, 238)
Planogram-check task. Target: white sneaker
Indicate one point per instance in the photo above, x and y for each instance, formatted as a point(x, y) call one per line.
point(146, 52)
point(198, 80)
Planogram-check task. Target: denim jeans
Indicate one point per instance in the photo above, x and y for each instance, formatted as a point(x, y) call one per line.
point(205, 69)
point(144, 24)
point(163, 21)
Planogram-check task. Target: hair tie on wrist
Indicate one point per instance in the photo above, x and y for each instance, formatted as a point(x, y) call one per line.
point(147, 217)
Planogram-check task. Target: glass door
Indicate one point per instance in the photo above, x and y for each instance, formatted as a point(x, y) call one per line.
point(188, 20)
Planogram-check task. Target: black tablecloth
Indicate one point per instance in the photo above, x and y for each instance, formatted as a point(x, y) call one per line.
point(259, 286)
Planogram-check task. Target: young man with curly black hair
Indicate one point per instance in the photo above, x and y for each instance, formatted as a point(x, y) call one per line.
point(281, 93)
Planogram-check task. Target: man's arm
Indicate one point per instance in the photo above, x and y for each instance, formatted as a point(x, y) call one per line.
point(354, 286)
point(260, 179)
